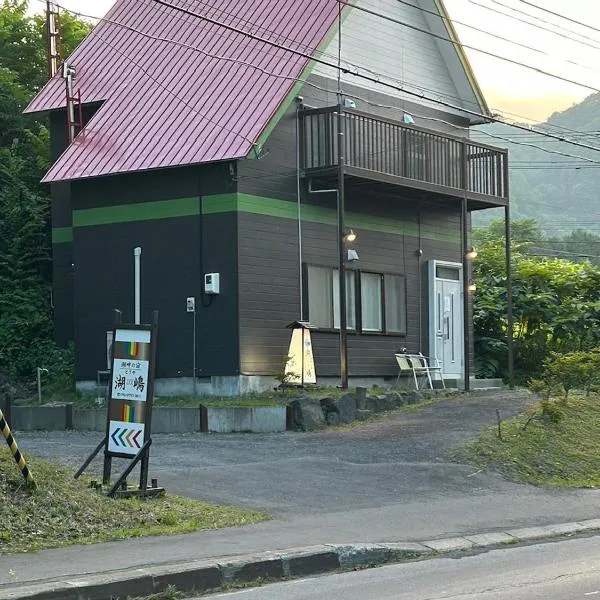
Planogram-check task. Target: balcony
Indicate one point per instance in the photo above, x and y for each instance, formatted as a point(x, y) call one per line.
point(405, 155)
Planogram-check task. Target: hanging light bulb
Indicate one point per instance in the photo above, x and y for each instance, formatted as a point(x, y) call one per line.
point(471, 253)
point(350, 236)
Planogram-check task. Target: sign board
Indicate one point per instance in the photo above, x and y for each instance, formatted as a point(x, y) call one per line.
point(131, 389)
point(300, 365)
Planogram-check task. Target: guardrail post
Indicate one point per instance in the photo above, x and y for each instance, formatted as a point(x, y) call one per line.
point(14, 449)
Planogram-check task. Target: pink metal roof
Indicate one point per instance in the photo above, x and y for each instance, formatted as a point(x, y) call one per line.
point(166, 104)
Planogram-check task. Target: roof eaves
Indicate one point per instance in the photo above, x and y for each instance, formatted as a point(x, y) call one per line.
point(296, 86)
point(464, 59)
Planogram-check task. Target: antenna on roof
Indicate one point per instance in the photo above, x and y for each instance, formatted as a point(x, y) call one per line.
point(52, 38)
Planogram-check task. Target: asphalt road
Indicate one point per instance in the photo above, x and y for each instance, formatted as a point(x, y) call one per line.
point(565, 570)
point(384, 481)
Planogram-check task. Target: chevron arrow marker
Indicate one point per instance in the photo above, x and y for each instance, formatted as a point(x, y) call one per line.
point(121, 435)
point(128, 438)
point(135, 438)
point(114, 436)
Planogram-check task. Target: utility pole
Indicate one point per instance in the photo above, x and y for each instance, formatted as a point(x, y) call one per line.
point(52, 38)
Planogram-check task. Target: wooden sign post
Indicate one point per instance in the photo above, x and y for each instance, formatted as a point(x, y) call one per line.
point(129, 414)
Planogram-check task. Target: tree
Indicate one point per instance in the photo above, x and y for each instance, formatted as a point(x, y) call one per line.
point(556, 308)
point(26, 327)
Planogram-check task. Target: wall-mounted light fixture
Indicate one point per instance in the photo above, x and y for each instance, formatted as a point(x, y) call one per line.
point(350, 236)
point(471, 287)
point(471, 254)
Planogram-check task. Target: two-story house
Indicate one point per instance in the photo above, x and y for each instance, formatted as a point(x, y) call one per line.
point(236, 139)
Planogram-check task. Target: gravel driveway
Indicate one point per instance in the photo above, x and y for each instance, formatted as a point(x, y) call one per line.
point(397, 458)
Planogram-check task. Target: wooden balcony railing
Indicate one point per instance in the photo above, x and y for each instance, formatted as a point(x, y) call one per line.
point(408, 155)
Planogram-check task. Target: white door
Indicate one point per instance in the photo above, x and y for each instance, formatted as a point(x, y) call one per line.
point(446, 316)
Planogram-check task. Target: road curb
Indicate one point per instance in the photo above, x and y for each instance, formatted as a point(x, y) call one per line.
point(205, 575)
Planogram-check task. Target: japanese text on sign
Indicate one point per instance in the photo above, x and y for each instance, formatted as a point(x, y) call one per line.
point(130, 379)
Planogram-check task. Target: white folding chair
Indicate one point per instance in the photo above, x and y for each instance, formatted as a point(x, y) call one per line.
point(405, 367)
point(425, 366)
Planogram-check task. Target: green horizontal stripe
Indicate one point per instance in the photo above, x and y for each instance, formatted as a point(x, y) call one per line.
point(220, 203)
point(283, 209)
point(62, 235)
point(245, 203)
point(142, 211)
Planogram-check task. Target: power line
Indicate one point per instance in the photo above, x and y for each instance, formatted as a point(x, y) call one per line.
point(196, 49)
point(561, 16)
point(363, 76)
point(455, 43)
point(169, 91)
point(412, 84)
point(489, 33)
point(536, 25)
point(563, 252)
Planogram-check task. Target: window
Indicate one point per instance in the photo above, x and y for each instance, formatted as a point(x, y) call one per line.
point(324, 297)
point(395, 303)
point(382, 300)
point(371, 302)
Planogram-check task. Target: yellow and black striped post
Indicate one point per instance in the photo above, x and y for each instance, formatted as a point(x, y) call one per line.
point(10, 440)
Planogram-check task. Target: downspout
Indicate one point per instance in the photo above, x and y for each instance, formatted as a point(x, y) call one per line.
point(299, 140)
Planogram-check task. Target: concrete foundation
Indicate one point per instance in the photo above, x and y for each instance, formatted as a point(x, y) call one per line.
point(238, 385)
point(255, 419)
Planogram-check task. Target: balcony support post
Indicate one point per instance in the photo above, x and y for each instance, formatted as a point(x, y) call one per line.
point(341, 201)
point(464, 225)
point(464, 222)
point(509, 298)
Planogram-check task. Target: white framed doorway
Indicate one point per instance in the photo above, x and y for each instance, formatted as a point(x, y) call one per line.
point(446, 331)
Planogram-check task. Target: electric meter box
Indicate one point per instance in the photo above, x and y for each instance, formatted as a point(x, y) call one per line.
point(211, 283)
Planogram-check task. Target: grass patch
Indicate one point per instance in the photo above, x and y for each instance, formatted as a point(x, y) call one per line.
point(557, 450)
point(64, 511)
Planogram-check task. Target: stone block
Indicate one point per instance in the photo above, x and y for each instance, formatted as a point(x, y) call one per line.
point(307, 414)
point(395, 399)
point(363, 415)
point(379, 403)
point(415, 397)
point(346, 408)
point(332, 418)
point(361, 397)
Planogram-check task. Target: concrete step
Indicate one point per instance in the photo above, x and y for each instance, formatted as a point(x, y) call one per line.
point(476, 384)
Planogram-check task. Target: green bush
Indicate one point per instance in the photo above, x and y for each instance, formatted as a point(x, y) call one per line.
point(574, 370)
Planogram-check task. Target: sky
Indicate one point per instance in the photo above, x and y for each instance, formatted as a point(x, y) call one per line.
point(571, 52)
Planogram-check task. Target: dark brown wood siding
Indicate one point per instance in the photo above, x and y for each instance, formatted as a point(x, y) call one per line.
point(397, 223)
point(176, 252)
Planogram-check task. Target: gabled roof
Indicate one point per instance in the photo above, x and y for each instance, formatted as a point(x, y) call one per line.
point(177, 89)
point(167, 104)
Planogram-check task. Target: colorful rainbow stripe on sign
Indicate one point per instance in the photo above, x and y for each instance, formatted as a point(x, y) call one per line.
point(127, 415)
point(133, 348)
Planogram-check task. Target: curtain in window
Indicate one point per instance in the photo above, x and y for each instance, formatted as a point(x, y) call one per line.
point(320, 299)
point(350, 299)
point(395, 303)
point(370, 297)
